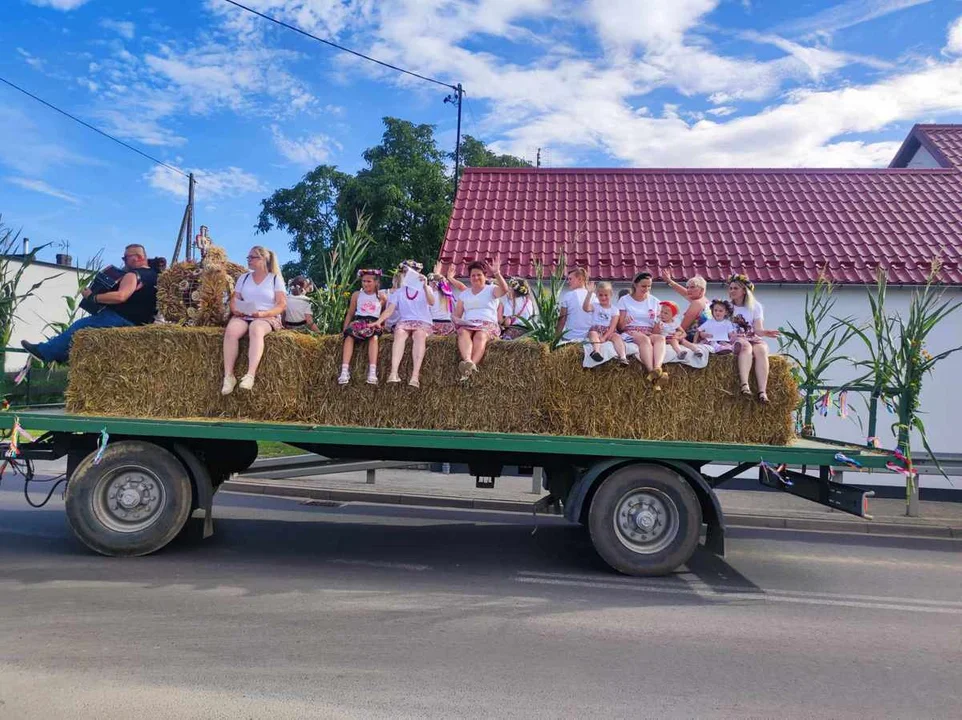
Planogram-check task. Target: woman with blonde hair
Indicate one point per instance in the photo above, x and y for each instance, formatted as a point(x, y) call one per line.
point(694, 290)
point(749, 346)
point(256, 306)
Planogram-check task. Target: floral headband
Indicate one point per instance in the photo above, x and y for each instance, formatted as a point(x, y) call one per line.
point(729, 308)
point(411, 264)
point(518, 286)
point(742, 279)
point(369, 271)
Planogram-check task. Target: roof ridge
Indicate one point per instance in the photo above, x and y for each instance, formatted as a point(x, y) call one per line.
point(711, 171)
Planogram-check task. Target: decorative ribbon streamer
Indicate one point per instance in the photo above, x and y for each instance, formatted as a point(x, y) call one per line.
point(846, 460)
point(13, 449)
point(895, 467)
point(101, 446)
point(825, 404)
point(889, 405)
point(843, 404)
point(873, 441)
point(24, 371)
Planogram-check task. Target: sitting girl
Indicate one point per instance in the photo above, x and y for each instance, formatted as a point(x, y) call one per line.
point(516, 307)
point(444, 306)
point(412, 300)
point(298, 313)
point(671, 330)
point(360, 325)
point(717, 333)
point(604, 322)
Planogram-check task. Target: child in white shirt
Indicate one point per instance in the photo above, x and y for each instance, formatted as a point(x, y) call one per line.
point(604, 322)
point(717, 333)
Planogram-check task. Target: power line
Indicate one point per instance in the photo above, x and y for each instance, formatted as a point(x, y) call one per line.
point(91, 127)
point(341, 47)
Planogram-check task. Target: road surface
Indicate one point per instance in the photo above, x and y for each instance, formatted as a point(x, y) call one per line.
point(295, 610)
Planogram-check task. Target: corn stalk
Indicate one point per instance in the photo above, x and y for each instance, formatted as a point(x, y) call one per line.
point(898, 362)
point(330, 302)
point(547, 291)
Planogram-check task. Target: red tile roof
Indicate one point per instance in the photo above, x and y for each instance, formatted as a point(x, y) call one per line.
point(778, 226)
point(944, 143)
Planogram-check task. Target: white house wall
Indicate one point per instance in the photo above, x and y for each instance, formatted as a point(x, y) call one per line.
point(47, 305)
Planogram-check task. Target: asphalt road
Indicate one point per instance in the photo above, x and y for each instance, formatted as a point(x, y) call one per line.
point(297, 611)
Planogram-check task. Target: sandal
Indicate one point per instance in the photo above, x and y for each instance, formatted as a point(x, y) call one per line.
point(746, 389)
point(414, 382)
point(662, 378)
point(763, 397)
point(246, 382)
point(393, 379)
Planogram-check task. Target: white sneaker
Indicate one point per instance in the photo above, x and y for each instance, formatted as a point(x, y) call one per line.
point(228, 387)
point(372, 377)
point(247, 382)
point(345, 377)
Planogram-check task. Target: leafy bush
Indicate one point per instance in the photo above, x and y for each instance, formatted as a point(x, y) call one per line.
point(330, 302)
point(547, 292)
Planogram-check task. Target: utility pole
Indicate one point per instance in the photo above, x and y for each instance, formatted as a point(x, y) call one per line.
point(537, 162)
point(190, 217)
point(457, 98)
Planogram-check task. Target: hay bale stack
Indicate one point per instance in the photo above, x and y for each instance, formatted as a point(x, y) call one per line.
point(701, 405)
point(175, 372)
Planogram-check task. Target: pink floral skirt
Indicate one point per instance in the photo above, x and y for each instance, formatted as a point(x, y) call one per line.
point(600, 329)
point(492, 329)
point(443, 327)
point(739, 347)
point(414, 325)
point(512, 333)
point(362, 329)
point(643, 329)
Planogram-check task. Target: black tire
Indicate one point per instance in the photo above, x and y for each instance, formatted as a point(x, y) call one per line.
point(645, 520)
point(135, 501)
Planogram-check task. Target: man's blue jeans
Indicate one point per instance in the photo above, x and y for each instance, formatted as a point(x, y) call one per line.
point(57, 348)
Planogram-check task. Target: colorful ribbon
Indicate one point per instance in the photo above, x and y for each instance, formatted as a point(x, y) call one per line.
point(13, 448)
point(846, 460)
point(874, 442)
point(777, 471)
point(101, 446)
point(24, 371)
point(843, 404)
point(824, 404)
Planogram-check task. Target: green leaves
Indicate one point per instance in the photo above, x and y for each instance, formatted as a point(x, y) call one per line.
point(12, 268)
point(547, 292)
point(330, 302)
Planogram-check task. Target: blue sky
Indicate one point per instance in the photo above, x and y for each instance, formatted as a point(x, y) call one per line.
point(249, 107)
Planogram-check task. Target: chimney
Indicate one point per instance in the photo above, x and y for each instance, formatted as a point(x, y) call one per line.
point(26, 246)
point(64, 259)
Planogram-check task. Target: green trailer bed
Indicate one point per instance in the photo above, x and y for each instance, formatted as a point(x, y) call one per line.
point(645, 502)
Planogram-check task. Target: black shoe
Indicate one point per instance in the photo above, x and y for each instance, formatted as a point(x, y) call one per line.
point(596, 356)
point(32, 349)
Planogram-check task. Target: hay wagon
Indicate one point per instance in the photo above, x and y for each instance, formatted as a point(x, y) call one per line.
point(645, 502)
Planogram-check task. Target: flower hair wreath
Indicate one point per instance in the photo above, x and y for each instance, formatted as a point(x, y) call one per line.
point(369, 271)
point(742, 279)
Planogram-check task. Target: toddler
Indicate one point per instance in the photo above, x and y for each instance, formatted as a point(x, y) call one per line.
point(604, 322)
point(716, 334)
point(669, 328)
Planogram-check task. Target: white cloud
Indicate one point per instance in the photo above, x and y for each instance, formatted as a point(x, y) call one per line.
point(226, 183)
point(954, 43)
point(846, 14)
point(124, 28)
point(307, 151)
point(32, 153)
point(59, 4)
point(42, 187)
point(31, 60)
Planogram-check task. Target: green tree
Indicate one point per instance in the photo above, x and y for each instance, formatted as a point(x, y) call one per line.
point(309, 213)
point(474, 153)
point(406, 192)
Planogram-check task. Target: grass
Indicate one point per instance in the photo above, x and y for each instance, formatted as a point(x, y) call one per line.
point(271, 449)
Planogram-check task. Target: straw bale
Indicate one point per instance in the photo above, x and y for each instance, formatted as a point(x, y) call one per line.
point(175, 372)
point(700, 405)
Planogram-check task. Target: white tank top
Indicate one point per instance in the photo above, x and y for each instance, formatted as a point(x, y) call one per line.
point(368, 306)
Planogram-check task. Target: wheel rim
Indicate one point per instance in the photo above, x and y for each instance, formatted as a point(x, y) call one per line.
point(646, 520)
point(129, 499)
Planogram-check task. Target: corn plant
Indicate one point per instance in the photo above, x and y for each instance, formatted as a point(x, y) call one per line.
point(547, 292)
point(898, 361)
point(12, 295)
point(815, 348)
point(330, 301)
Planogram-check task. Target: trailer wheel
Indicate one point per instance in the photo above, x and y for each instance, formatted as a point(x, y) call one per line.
point(135, 501)
point(645, 520)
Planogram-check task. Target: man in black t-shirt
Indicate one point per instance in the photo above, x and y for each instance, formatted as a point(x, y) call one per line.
point(133, 302)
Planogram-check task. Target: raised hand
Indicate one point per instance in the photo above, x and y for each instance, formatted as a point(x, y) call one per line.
point(590, 287)
point(665, 275)
point(496, 265)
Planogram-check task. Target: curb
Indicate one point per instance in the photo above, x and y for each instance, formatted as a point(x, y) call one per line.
point(733, 519)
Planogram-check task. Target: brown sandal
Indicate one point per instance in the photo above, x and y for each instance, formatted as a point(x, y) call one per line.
point(746, 389)
point(763, 397)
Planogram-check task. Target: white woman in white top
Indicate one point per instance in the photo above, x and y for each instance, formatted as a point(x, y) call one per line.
point(750, 346)
point(256, 306)
point(413, 300)
point(639, 320)
point(476, 315)
point(516, 308)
